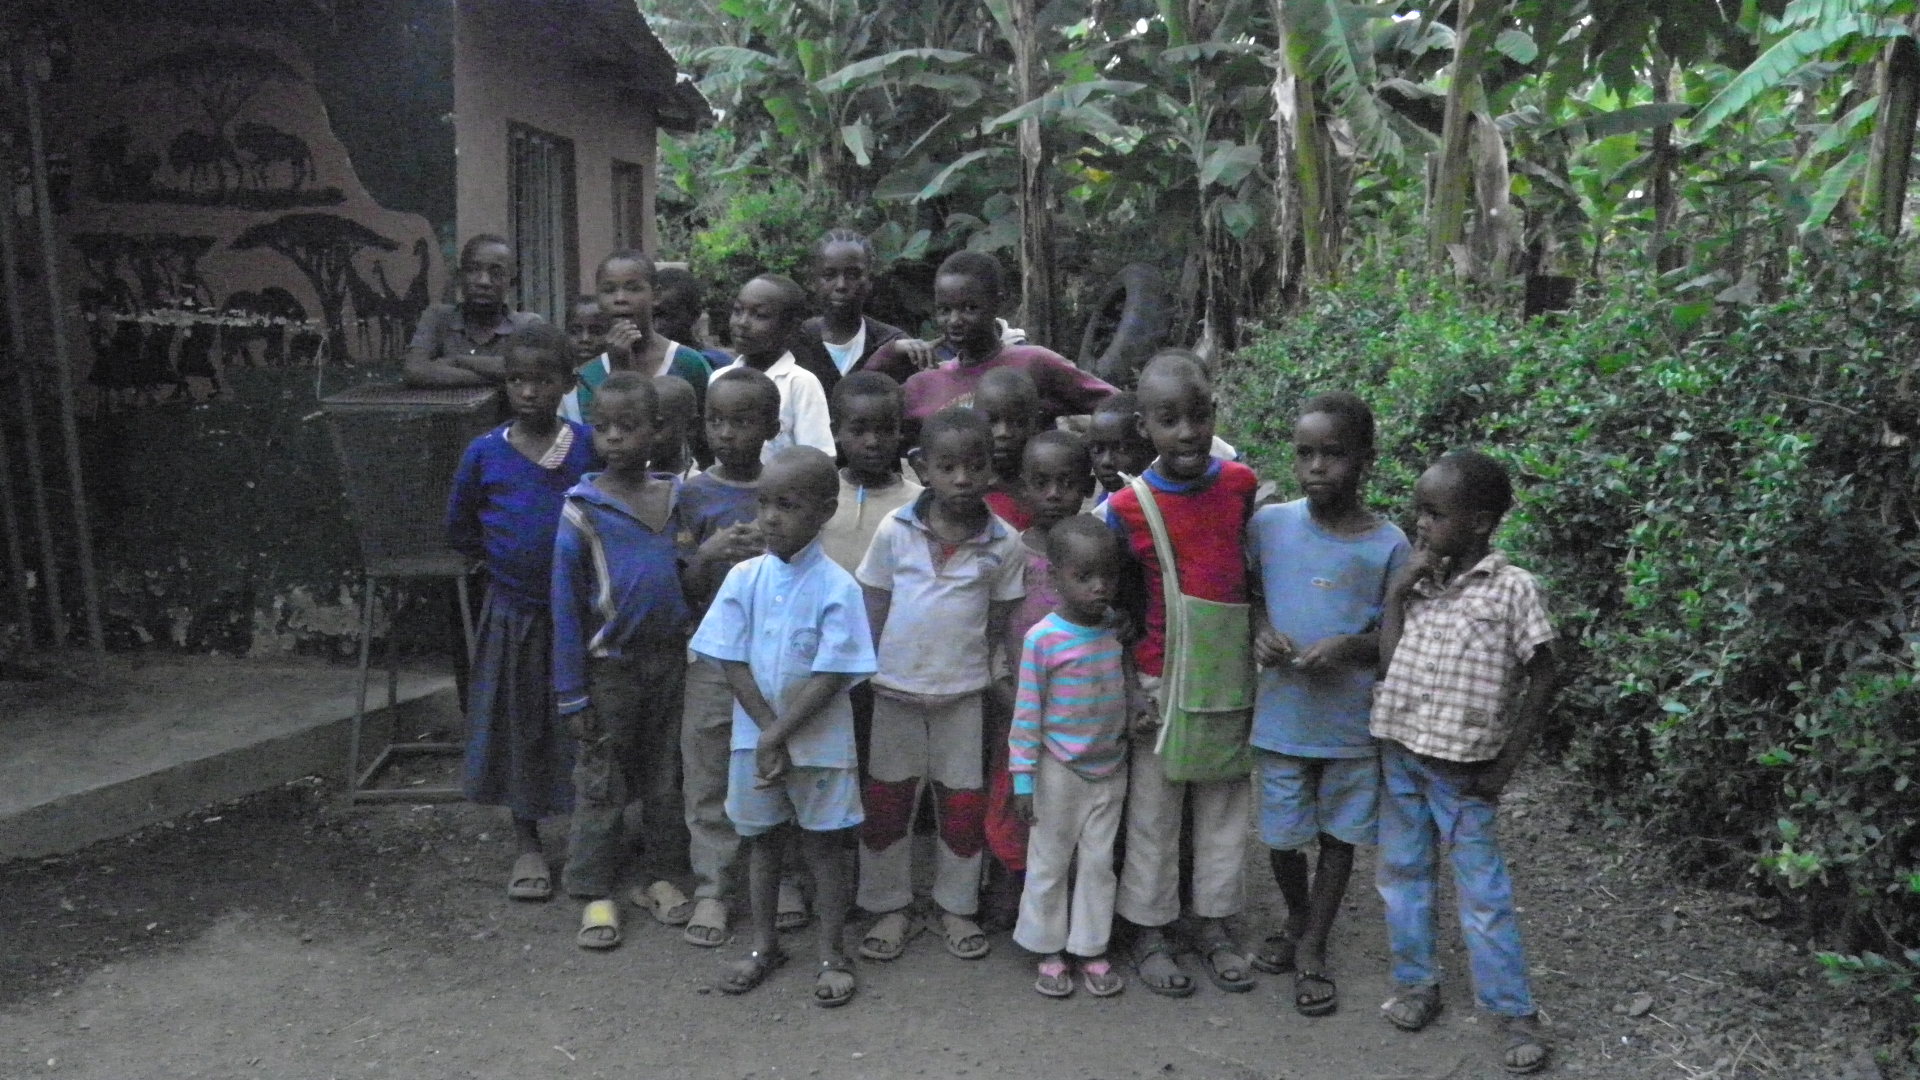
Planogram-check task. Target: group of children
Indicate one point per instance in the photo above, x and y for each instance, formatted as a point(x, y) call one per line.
point(752, 643)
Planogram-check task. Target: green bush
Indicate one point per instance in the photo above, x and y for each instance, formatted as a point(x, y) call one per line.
point(1722, 504)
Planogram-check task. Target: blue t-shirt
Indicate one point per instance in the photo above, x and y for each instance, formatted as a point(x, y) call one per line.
point(505, 507)
point(1318, 585)
point(707, 505)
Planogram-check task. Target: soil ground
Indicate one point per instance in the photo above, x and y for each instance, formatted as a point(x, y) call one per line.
point(290, 936)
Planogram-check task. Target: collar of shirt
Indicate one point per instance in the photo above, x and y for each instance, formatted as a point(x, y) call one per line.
point(1491, 564)
point(502, 328)
point(802, 560)
point(776, 371)
point(914, 514)
point(1200, 483)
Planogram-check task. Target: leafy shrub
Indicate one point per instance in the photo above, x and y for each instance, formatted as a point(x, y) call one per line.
point(1722, 504)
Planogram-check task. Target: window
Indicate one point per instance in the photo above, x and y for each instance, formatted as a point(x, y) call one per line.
point(629, 206)
point(546, 240)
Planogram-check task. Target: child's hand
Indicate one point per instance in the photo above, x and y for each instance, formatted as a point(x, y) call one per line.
point(1491, 779)
point(1424, 563)
point(1146, 714)
point(1271, 648)
point(1003, 692)
point(732, 544)
point(770, 763)
point(623, 341)
point(1023, 808)
point(1330, 654)
point(585, 724)
point(919, 353)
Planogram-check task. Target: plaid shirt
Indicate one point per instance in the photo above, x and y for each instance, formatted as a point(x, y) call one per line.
point(1449, 691)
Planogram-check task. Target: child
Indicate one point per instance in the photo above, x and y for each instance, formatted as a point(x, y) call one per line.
point(1067, 752)
point(842, 281)
point(790, 629)
point(766, 316)
point(678, 304)
point(1114, 439)
point(1466, 647)
point(619, 660)
point(460, 344)
point(1011, 404)
point(1057, 477)
point(505, 509)
point(717, 509)
point(673, 442)
point(624, 285)
point(1206, 503)
point(866, 431)
point(586, 329)
point(941, 578)
point(967, 293)
point(1324, 562)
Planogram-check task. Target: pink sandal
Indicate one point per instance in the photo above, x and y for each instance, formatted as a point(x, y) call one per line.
point(1100, 978)
point(1056, 980)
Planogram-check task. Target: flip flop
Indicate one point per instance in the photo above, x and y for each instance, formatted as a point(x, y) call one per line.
point(958, 930)
point(1413, 1008)
point(1275, 954)
point(708, 927)
point(830, 993)
point(1152, 945)
point(791, 913)
point(1309, 1004)
point(531, 878)
point(664, 901)
point(1100, 978)
point(1521, 1035)
point(1054, 980)
point(888, 937)
point(751, 970)
point(596, 917)
point(1211, 950)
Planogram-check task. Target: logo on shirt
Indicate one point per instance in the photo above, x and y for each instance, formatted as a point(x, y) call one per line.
point(804, 644)
point(1324, 583)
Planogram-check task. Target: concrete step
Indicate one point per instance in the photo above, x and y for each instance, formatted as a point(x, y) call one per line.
point(106, 746)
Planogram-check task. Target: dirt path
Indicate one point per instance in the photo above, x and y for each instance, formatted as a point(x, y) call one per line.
point(289, 937)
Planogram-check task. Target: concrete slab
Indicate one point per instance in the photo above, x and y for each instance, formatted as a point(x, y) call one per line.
point(108, 746)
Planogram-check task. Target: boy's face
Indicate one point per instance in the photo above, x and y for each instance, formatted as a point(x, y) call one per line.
point(626, 292)
point(966, 308)
point(1056, 481)
point(842, 279)
point(738, 423)
point(485, 273)
point(670, 435)
point(868, 434)
point(791, 508)
point(1328, 461)
point(1116, 445)
point(762, 321)
point(534, 384)
point(1445, 520)
point(1176, 415)
point(674, 314)
point(958, 467)
point(1087, 579)
point(1013, 418)
point(623, 428)
point(587, 330)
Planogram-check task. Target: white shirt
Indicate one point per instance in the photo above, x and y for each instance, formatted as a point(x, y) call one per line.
point(845, 355)
point(803, 408)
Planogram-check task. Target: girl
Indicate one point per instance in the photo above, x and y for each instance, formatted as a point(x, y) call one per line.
point(842, 282)
point(504, 510)
point(624, 287)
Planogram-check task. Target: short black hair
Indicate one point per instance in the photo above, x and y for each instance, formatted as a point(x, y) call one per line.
point(1065, 441)
point(1080, 528)
point(955, 420)
point(546, 341)
point(810, 466)
point(634, 384)
point(791, 294)
point(1124, 403)
point(583, 300)
point(1008, 382)
point(674, 393)
point(753, 379)
point(866, 384)
point(1483, 480)
point(486, 239)
point(1175, 365)
point(632, 255)
point(843, 236)
point(977, 265)
point(1347, 408)
point(677, 282)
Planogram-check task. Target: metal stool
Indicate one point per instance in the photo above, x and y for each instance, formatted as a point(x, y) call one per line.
point(361, 783)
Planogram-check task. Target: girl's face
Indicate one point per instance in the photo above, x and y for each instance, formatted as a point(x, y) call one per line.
point(1087, 580)
point(966, 309)
point(534, 384)
point(738, 423)
point(1115, 442)
point(626, 292)
point(842, 279)
point(587, 330)
point(1328, 462)
point(623, 427)
point(1057, 481)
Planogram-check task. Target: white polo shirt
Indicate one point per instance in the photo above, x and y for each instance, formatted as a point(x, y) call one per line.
point(803, 407)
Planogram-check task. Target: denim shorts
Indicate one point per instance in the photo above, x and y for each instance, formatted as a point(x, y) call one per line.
point(1302, 797)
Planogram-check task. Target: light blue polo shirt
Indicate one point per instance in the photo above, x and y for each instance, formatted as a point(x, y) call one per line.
point(1317, 585)
point(788, 621)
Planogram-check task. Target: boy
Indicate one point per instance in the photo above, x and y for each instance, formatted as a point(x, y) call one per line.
point(586, 329)
point(717, 530)
point(1206, 503)
point(1323, 562)
point(1010, 403)
point(842, 282)
point(673, 443)
point(623, 285)
point(866, 431)
point(619, 659)
point(941, 577)
point(766, 316)
point(790, 630)
point(1114, 439)
point(460, 344)
point(678, 303)
point(1465, 645)
point(1067, 752)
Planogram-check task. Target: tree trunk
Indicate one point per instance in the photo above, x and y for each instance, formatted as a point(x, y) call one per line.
point(1447, 209)
point(1036, 190)
point(1667, 251)
point(1891, 153)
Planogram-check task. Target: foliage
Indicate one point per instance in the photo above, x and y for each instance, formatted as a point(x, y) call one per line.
point(1719, 498)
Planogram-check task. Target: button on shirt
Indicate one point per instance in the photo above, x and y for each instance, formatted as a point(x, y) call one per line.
point(1449, 691)
point(803, 408)
point(788, 621)
point(442, 331)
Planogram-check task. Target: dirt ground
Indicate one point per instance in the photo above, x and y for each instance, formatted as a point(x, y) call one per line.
point(290, 936)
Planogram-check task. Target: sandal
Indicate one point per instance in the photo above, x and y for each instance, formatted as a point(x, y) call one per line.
point(888, 937)
point(531, 878)
point(599, 925)
point(1521, 1050)
point(708, 926)
point(751, 970)
point(1215, 947)
point(964, 938)
point(791, 912)
point(1054, 979)
point(834, 985)
point(1100, 978)
point(664, 901)
point(1152, 946)
point(1413, 1008)
point(1307, 1003)
point(1275, 954)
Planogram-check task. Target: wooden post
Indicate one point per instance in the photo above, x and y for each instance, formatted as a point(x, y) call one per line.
point(23, 395)
point(1036, 188)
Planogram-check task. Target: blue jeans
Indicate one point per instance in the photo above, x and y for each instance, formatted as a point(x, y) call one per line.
point(1424, 802)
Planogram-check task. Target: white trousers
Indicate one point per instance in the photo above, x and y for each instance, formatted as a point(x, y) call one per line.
point(1068, 900)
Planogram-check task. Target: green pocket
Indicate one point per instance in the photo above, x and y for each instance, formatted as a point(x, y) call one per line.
point(1209, 694)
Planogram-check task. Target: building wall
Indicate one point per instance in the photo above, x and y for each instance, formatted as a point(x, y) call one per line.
point(512, 69)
